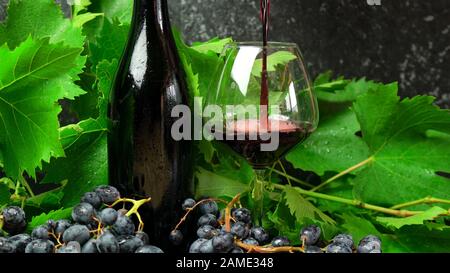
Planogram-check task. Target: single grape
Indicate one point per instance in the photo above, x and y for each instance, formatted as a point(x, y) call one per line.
point(90, 246)
point(108, 194)
point(345, 239)
point(107, 243)
point(149, 249)
point(188, 204)
point(51, 224)
point(108, 216)
point(20, 241)
point(242, 215)
point(209, 207)
point(40, 232)
point(6, 246)
point(251, 241)
point(40, 246)
point(240, 230)
point(207, 232)
point(13, 220)
point(83, 213)
point(369, 244)
point(176, 237)
point(129, 243)
point(223, 243)
point(143, 236)
point(77, 233)
point(208, 219)
point(206, 247)
point(195, 246)
point(92, 198)
point(310, 235)
point(280, 241)
point(70, 247)
point(237, 250)
point(260, 235)
point(338, 248)
point(123, 226)
point(313, 249)
point(61, 226)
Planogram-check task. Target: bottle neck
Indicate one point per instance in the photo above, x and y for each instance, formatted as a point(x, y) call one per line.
point(155, 12)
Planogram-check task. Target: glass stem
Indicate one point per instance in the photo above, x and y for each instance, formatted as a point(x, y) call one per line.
point(258, 195)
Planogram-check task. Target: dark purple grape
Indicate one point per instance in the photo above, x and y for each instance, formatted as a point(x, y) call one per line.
point(242, 215)
point(237, 250)
point(251, 241)
point(338, 248)
point(40, 246)
point(20, 241)
point(310, 235)
point(83, 213)
point(188, 204)
point(123, 226)
point(195, 246)
point(107, 243)
point(240, 230)
point(280, 241)
point(260, 235)
point(70, 247)
point(206, 247)
point(223, 243)
point(90, 246)
point(6, 246)
point(13, 220)
point(207, 232)
point(369, 244)
point(313, 249)
point(176, 237)
point(129, 243)
point(77, 233)
point(108, 216)
point(209, 207)
point(208, 219)
point(143, 236)
point(149, 249)
point(61, 226)
point(108, 194)
point(40, 232)
point(92, 198)
point(345, 239)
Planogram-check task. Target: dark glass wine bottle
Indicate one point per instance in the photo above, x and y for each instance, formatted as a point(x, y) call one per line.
point(144, 160)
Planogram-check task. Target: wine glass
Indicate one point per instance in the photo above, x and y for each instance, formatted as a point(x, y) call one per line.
point(260, 113)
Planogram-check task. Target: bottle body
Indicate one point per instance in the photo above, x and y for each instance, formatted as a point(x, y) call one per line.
point(144, 159)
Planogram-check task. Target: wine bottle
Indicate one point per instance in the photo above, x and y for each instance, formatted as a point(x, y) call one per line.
point(144, 160)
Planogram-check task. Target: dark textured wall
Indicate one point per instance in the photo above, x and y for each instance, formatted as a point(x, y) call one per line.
point(400, 40)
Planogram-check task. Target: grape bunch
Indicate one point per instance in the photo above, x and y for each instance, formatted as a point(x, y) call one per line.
point(96, 227)
point(242, 236)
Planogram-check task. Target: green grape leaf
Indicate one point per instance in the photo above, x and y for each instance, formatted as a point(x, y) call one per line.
point(38, 18)
point(215, 45)
point(273, 60)
point(5, 194)
point(106, 72)
point(405, 156)
point(332, 147)
point(119, 9)
point(358, 227)
point(85, 164)
point(428, 215)
point(110, 43)
point(30, 85)
point(302, 208)
point(63, 213)
point(416, 239)
point(212, 184)
point(340, 91)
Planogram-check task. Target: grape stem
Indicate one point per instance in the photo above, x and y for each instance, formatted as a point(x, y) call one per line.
point(347, 171)
point(426, 200)
point(356, 203)
point(134, 209)
point(268, 249)
point(228, 212)
point(189, 210)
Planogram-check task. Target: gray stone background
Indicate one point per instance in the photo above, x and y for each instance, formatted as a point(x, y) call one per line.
point(400, 40)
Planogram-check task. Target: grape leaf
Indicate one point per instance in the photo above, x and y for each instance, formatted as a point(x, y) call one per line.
point(273, 60)
point(405, 157)
point(358, 227)
point(120, 9)
point(417, 239)
point(40, 18)
point(302, 208)
point(85, 164)
point(344, 91)
point(215, 45)
point(63, 213)
point(332, 147)
point(106, 72)
point(418, 219)
point(30, 86)
point(211, 184)
point(110, 43)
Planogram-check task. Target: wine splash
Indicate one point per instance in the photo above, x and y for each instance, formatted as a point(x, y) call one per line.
point(264, 100)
